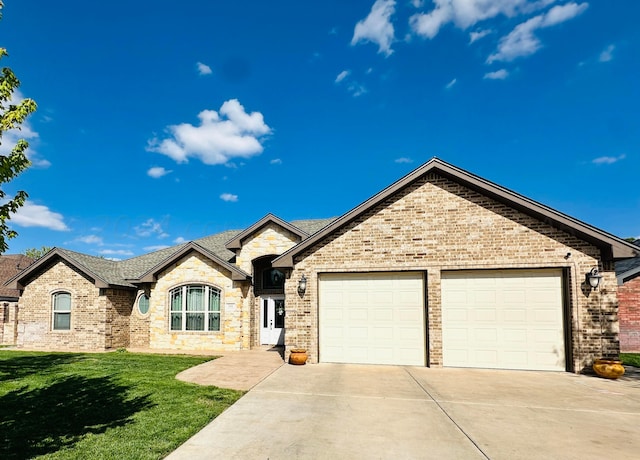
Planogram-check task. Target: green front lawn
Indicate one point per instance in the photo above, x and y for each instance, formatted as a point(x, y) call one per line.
point(101, 405)
point(630, 359)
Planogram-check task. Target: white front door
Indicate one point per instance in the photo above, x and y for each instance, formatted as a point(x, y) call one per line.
point(272, 315)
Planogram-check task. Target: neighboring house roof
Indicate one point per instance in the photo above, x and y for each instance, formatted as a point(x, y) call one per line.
point(130, 272)
point(629, 268)
point(611, 246)
point(10, 266)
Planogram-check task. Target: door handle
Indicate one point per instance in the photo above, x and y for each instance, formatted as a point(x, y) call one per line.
point(271, 324)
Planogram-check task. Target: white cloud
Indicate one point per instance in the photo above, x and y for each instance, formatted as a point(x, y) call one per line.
point(466, 13)
point(377, 27)
point(342, 75)
point(149, 228)
point(605, 160)
point(37, 215)
point(179, 240)
point(229, 197)
point(607, 54)
point(156, 247)
point(276, 161)
point(157, 172)
point(356, 89)
point(417, 3)
point(497, 75)
point(522, 41)
point(203, 69)
point(26, 132)
point(403, 160)
point(478, 34)
point(219, 138)
point(91, 239)
point(115, 252)
point(451, 83)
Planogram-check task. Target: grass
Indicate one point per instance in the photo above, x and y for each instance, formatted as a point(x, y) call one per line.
point(630, 359)
point(101, 406)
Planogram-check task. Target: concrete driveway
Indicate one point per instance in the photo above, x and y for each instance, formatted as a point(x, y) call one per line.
point(332, 411)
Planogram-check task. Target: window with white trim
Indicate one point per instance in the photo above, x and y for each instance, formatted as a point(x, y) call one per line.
point(194, 307)
point(61, 311)
point(143, 304)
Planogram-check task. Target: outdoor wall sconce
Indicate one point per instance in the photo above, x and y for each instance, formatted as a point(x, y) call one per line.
point(593, 278)
point(302, 285)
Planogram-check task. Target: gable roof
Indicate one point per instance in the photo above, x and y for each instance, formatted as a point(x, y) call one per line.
point(103, 272)
point(10, 266)
point(236, 241)
point(130, 272)
point(150, 275)
point(629, 268)
point(611, 246)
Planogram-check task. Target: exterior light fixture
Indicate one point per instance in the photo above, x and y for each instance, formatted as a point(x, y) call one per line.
point(593, 278)
point(302, 285)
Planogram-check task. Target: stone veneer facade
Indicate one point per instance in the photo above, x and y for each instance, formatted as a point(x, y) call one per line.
point(435, 225)
point(629, 298)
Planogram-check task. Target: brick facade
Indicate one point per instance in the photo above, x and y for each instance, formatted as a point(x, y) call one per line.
point(436, 224)
point(629, 299)
point(89, 329)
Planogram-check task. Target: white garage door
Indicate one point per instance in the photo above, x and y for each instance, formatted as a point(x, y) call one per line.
point(372, 318)
point(510, 319)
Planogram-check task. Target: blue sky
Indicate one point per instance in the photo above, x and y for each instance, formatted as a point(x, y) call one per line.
point(161, 122)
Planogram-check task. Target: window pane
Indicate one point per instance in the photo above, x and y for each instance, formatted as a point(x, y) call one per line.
point(272, 278)
point(195, 322)
point(62, 301)
point(176, 299)
point(214, 321)
point(143, 304)
point(62, 321)
point(279, 320)
point(195, 298)
point(176, 321)
point(214, 300)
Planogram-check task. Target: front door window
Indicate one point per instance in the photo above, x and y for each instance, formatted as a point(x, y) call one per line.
point(272, 312)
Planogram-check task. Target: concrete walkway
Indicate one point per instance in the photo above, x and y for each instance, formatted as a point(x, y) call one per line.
point(330, 411)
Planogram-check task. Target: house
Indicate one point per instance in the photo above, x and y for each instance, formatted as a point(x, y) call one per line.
point(628, 276)
point(441, 268)
point(10, 265)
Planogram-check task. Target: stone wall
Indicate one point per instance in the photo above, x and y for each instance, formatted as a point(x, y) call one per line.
point(436, 224)
point(629, 298)
point(235, 316)
point(271, 239)
point(88, 312)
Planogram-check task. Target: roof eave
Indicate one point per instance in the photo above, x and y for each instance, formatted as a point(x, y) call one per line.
point(611, 246)
point(16, 282)
point(151, 275)
point(236, 241)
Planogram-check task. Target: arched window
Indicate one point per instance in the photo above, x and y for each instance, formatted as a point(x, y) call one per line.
point(143, 304)
point(194, 307)
point(61, 311)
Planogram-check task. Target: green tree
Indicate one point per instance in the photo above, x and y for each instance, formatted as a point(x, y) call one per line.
point(12, 115)
point(36, 253)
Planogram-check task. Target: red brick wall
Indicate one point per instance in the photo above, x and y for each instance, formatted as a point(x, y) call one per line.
point(629, 315)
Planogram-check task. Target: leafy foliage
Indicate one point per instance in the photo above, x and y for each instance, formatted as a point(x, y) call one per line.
point(12, 115)
point(36, 253)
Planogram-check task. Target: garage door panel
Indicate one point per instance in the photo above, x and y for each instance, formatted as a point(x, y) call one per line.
point(528, 330)
point(392, 316)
